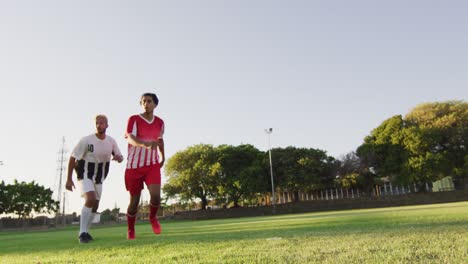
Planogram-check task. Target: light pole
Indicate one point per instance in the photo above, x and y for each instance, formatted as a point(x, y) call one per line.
point(269, 131)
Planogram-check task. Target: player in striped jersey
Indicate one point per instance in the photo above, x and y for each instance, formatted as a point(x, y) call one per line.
point(91, 160)
point(145, 159)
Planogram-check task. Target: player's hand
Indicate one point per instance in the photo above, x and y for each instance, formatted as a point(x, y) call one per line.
point(161, 141)
point(150, 144)
point(161, 163)
point(69, 185)
point(118, 158)
point(154, 144)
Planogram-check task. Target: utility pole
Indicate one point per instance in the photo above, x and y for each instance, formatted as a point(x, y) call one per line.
point(61, 168)
point(269, 131)
point(63, 209)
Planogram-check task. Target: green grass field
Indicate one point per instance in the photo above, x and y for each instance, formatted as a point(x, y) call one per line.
point(413, 234)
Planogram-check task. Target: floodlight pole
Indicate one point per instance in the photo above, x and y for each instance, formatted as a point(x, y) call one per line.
point(268, 132)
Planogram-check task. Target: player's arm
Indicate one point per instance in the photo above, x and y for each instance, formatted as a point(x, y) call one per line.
point(161, 151)
point(78, 153)
point(161, 145)
point(131, 137)
point(69, 185)
point(134, 141)
point(117, 155)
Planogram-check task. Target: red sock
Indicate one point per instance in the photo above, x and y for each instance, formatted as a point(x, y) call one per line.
point(131, 219)
point(153, 211)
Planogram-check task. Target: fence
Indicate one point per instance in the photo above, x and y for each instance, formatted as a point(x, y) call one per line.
point(387, 189)
point(318, 205)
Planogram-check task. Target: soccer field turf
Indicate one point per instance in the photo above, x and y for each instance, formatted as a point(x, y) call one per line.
point(413, 234)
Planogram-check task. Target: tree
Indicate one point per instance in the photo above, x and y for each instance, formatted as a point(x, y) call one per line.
point(115, 212)
point(349, 171)
point(426, 145)
point(382, 154)
point(301, 169)
point(348, 164)
point(107, 216)
point(383, 150)
point(26, 198)
point(110, 215)
point(193, 173)
point(4, 201)
point(436, 138)
point(242, 175)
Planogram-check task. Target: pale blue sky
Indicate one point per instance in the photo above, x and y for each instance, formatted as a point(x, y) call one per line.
point(323, 74)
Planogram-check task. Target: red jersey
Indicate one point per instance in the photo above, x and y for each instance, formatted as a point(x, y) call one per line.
point(145, 130)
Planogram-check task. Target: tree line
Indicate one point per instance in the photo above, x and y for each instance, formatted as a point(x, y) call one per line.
point(427, 144)
point(230, 174)
point(25, 198)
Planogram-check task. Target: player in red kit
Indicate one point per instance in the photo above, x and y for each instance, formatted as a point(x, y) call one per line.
point(145, 159)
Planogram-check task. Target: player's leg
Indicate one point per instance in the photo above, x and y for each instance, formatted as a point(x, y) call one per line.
point(155, 200)
point(155, 203)
point(98, 188)
point(86, 214)
point(132, 208)
point(132, 211)
point(88, 192)
point(153, 182)
point(134, 185)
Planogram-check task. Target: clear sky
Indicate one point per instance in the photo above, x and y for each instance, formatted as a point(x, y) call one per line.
point(321, 73)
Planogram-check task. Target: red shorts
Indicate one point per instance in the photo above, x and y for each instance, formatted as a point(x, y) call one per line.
point(134, 178)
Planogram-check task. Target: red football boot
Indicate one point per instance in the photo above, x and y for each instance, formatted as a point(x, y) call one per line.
point(155, 225)
point(131, 234)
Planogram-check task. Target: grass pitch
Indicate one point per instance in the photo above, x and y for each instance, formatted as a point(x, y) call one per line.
point(412, 234)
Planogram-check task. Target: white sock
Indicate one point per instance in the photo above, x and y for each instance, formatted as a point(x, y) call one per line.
point(85, 214)
point(90, 221)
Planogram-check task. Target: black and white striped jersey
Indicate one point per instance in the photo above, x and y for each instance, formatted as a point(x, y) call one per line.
point(93, 157)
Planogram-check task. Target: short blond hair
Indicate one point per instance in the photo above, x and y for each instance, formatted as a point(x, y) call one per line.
point(101, 116)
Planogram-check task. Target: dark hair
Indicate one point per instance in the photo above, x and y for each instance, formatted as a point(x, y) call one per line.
point(153, 96)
